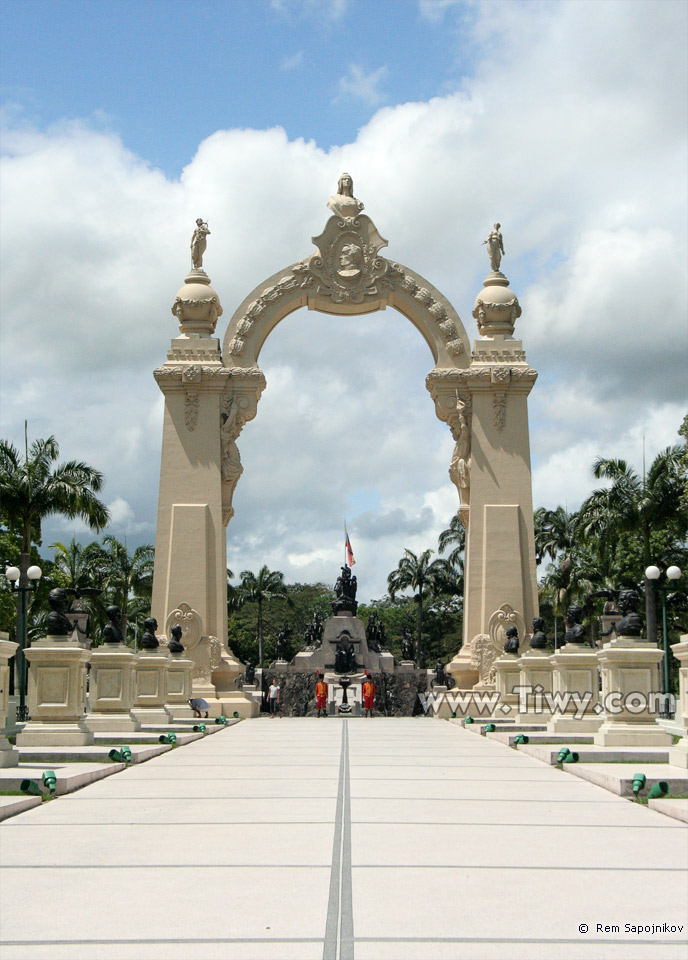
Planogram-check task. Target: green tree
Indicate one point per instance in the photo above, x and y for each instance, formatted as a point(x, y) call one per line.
point(34, 487)
point(425, 577)
point(639, 505)
point(261, 589)
point(126, 578)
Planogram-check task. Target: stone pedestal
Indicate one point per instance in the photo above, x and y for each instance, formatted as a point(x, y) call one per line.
point(179, 685)
point(386, 662)
point(678, 755)
point(9, 757)
point(57, 694)
point(150, 687)
point(535, 672)
point(575, 672)
point(630, 676)
point(407, 665)
point(507, 676)
point(111, 690)
point(230, 699)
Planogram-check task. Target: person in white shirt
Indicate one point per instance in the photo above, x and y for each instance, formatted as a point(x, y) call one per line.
point(274, 698)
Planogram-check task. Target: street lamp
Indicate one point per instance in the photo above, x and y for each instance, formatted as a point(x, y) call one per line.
point(673, 573)
point(23, 582)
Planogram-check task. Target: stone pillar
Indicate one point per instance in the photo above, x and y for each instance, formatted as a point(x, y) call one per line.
point(206, 406)
point(535, 674)
point(9, 757)
point(575, 672)
point(150, 688)
point(630, 665)
point(507, 676)
point(486, 407)
point(57, 694)
point(111, 689)
point(678, 755)
point(179, 688)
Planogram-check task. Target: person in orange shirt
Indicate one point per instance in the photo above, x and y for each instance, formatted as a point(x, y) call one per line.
point(321, 695)
point(368, 695)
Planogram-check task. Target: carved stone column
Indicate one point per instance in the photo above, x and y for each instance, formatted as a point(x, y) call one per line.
point(575, 672)
point(206, 405)
point(507, 676)
point(9, 757)
point(536, 674)
point(486, 407)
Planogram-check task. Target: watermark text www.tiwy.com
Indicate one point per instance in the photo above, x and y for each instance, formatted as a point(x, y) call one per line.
point(535, 699)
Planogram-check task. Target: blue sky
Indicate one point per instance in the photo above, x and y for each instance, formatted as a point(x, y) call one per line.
point(124, 121)
point(166, 74)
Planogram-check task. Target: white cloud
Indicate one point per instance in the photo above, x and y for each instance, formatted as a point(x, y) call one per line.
point(361, 85)
point(582, 160)
point(293, 62)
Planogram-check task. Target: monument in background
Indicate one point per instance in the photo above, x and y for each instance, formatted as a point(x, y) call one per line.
point(210, 394)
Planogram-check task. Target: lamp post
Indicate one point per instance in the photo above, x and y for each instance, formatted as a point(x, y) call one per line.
point(673, 573)
point(24, 581)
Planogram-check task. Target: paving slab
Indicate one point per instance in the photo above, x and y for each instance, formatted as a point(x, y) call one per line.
point(671, 807)
point(402, 839)
point(10, 806)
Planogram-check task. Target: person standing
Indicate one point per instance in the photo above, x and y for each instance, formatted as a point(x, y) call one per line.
point(321, 694)
point(368, 695)
point(274, 698)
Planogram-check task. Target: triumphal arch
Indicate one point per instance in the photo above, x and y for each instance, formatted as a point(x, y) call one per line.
point(479, 390)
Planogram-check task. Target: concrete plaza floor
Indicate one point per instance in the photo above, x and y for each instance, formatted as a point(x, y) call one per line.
point(383, 839)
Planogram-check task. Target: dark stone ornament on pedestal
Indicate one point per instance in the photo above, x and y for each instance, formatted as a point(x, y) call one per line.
point(345, 593)
point(375, 633)
point(406, 645)
point(175, 645)
point(575, 631)
point(345, 706)
point(149, 641)
point(282, 645)
point(511, 645)
point(440, 679)
point(112, 633)
point(56, 623)
point(250, 672)
point(630, 624)
point(538, 641)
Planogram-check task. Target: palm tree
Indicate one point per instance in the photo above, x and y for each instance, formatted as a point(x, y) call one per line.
point(126, 579)
point(454, 536)
point(636, 505)
point(73, 564)
point(418, 573)
point(555, 532)
point(260, 589)
point(33, 487)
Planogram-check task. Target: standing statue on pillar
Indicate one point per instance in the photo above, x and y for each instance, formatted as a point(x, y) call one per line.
point(199, 243)
point(495, 247)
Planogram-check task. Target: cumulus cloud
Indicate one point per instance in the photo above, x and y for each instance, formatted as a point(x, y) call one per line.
point(582, 160)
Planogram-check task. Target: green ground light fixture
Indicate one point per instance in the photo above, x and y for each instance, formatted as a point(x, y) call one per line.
point(563, 754)
point(126, 753)
point(31, 787)
point(571, 757)
point(236, 714)
point(658, 790)
point(469, 719)
point(638, 783)
point(168, 738)
point(521, 738)
point(50, 780)
point(490, 728)
point(199, 728)
point(222, 719)
point(123, 755)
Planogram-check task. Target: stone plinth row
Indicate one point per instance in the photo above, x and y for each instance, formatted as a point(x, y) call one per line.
point(564, 692)
point(126, 690)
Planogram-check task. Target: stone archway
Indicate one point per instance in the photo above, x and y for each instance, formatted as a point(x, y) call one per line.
point(481, 394)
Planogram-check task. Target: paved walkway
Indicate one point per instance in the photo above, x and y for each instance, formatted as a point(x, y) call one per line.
point(390, 839)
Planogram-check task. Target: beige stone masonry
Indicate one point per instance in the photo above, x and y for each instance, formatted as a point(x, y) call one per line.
point(575, 670)
point(111, 689)
point(179, 685)
point(9, 757)
point(56, 694)
point(507, 677)
point(630, 665)
point(536, 670)
point(150, 687)
point(678, 755)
